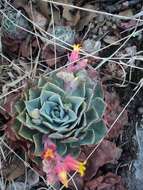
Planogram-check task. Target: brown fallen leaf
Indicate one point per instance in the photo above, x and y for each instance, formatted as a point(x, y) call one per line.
point(9, 102)
point(46, 10)
point(12, 168)
point(85, 17)
point(71, 15)
point(48, 57)
point(128, 12)
point(106, 153)
point(76, 183)
point(111, 40)
point(10, 44)
point(129, 24)
point(109, 181)
point(17, 48)
point(24, 49)
point(113, 110)
point(43, 7)
point(39, 19)
point(24, 2)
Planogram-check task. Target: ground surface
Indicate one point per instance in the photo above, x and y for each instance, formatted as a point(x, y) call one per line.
point(110, 33)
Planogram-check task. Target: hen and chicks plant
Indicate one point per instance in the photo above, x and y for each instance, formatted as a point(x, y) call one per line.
point(67, 108)
point(15, 25)
point(64, 35)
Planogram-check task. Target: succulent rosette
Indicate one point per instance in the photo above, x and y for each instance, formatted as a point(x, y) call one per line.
point(64, 36)
point(70, 113)
point(13, 24)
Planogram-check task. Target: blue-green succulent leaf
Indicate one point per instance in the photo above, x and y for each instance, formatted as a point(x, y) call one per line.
point(99, 129)
point(45, 95)
point(19, 106)
point(47, 109)
point(56, 136)
point(41, 128)
point(61, 148)
point(75, 144)
point(54, 88)
point(34, 93)
point(37, 138)
point(89, 96)
point(80, 90)
point(91, 115)
point(58, 82)
point(78, 131)
point(72, 116)
point(26, 133)
point(51, 126)
point(70, 140)
point(99, 91)
point(17, 125)
point(37, 121)
point(73, 151)
point(81, 113)
point(56, 99)
point(42, 81)
point(76, 102)
point(22, 117)
point(59, 120)
point(100, 106)
point(89, 138)
point(32, 104)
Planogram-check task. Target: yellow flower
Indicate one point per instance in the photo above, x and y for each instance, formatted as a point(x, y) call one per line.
point(62, 174)
point(48, 154)
point(63, 178)
point(81, 168)
point(74, 165)
point(76, 47)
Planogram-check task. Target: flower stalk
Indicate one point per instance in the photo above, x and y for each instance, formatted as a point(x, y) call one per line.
point(61, 166)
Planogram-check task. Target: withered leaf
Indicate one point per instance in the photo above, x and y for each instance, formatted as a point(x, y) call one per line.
point(12, 169)
point(112, 112)
point(108, 182)
point(107, 152)
point(111, 39)
point(85, 17)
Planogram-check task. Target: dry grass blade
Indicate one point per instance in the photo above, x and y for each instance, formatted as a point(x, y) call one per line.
point(15, 167)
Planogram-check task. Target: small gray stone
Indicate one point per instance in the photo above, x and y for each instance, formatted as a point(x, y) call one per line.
point(105, 28)
point(140, 110)
point(100, 18)
point(91, 45)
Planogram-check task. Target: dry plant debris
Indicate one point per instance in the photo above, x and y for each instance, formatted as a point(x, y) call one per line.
point(65, 70)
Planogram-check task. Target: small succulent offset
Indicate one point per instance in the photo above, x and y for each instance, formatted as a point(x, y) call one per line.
point(71, 117)
point(10, 23)
point(64, 34)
